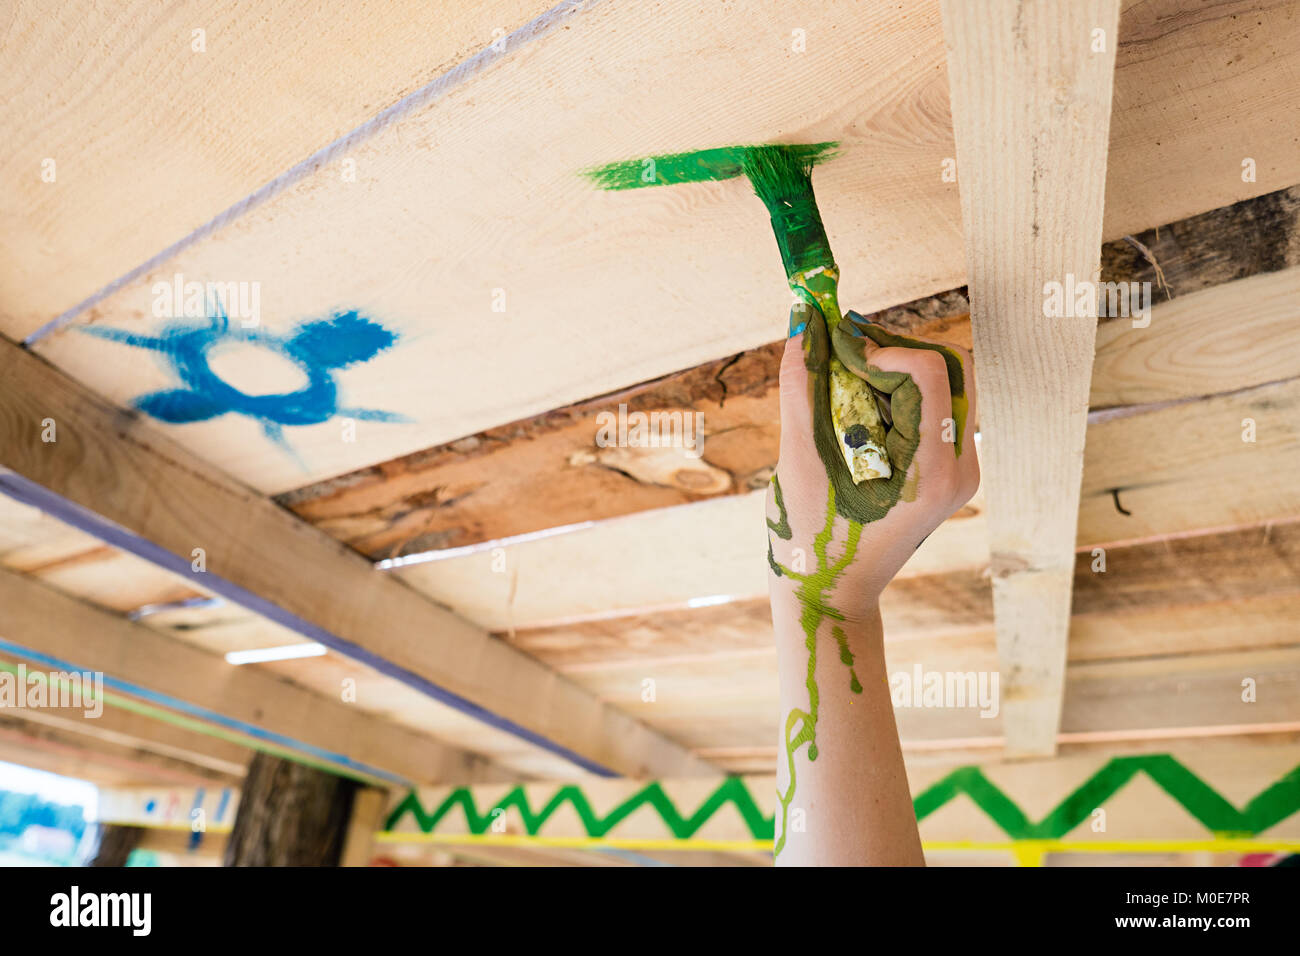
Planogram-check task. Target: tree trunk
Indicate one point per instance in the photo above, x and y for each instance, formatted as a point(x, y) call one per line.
point(115, 844)
point(289, 815)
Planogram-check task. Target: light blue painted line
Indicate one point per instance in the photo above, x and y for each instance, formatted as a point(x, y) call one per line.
point(431, 92)
point(223, 805)
point(230, 723)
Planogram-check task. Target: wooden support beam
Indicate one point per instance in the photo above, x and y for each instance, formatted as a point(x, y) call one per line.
point(290, 815)
point(116, 728)
point(37, 620)
point(259, 555)
point(368, 806)
point(31, 743)
point(1031, 95)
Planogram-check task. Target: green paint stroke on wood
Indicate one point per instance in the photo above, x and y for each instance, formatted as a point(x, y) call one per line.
point(1216, 814)
point(704, 165)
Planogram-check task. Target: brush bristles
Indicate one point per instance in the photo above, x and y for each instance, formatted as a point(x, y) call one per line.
point(779, 174)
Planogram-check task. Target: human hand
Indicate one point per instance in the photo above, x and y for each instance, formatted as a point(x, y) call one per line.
point(836, 543)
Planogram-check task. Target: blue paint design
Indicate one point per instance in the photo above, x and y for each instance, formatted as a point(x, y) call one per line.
point(319, 348)
point(223, 805)
point(150, 806)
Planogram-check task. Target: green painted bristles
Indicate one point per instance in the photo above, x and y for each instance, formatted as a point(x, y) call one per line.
point(782, 178)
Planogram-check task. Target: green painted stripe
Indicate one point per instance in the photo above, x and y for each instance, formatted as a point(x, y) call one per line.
point(704, 165)
point(1215, 813)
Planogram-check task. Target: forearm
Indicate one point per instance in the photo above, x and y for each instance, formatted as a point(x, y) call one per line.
point(851, 804)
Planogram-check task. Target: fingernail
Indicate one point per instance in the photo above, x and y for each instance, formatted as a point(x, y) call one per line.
point(797, 329)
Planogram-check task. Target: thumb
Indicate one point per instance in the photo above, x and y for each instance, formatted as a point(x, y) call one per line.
point(796, 398)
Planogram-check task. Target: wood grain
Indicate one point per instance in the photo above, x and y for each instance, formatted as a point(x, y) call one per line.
point(481, 191)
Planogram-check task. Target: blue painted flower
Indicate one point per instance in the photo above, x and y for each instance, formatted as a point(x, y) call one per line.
point(318, 348)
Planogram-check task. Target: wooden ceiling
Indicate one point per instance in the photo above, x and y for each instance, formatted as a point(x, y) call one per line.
point(529, 583)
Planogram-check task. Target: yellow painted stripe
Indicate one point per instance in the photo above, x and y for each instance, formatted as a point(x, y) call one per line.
point(215, 828)
point(1023, 849)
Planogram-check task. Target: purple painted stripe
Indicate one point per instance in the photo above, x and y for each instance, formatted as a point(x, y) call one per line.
point(434, 90)
point(37, 496)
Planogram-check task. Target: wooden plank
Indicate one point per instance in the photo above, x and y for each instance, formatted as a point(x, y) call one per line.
point(32, 743)
point(1227, 337)
point(1146, 797)
point(1166, 464)
point(41, 620)
point(666, 558)
point(152, 137)
point(368, 807)
point(1031, 98)
point(1169, 596)
point(481, 157)
point(122, 729)
point(258, 554)
point(1218, 462)
point(526, 476)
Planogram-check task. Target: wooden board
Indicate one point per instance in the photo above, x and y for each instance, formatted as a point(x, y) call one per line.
point(153, 498)
point(151, 137)
point(1140, 802)
point(547, 472)
point(41, 620)
point(1031, 100)
point(665, 558)
point(480, 191)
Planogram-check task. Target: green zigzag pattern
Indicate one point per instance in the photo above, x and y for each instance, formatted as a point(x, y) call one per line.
point(1215, 813)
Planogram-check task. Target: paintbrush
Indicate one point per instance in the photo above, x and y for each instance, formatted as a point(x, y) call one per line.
point(782, 178)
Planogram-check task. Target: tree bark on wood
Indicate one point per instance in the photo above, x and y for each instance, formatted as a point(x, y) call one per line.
point(115, 844)
point(289, 815)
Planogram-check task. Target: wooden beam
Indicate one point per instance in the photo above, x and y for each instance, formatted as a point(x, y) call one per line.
point(1031, 95)
point(545, 472)
point(32, 743)
point(121, 729)
point(261, 556)
point(1145, 798)
point(349, 63)
point(50, 628)
point(290, 815)
point(887, 203)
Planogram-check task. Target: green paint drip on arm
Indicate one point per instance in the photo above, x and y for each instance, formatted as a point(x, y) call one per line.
point(813, 590)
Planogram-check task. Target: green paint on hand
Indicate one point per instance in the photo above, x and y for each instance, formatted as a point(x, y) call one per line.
point(705, 165)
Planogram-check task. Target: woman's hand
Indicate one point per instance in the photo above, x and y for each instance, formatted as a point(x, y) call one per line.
point(833, 546)
point(931, 400)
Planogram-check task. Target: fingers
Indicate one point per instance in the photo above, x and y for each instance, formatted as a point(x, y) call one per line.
point(882, 358)
point(920, 401)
